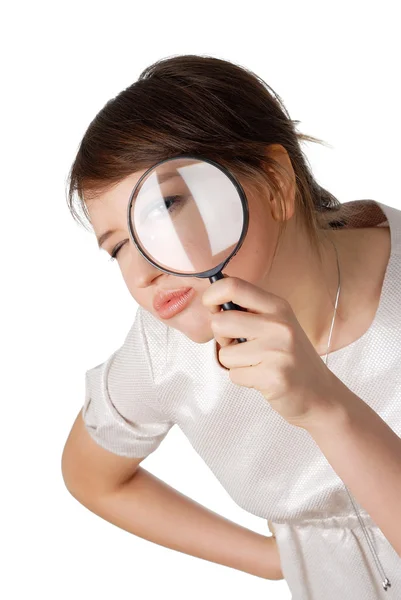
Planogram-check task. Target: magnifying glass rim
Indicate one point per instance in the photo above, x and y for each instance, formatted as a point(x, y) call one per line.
point(241, 194)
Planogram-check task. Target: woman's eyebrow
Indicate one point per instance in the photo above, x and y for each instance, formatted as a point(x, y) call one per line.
point(102, 238)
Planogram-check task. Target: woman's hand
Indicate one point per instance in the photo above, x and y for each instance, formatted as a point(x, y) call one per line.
point(277, 359)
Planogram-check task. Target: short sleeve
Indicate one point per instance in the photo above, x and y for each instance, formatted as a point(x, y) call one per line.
point(121, 410)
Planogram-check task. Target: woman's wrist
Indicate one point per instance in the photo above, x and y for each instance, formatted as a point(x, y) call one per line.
point(268, 565)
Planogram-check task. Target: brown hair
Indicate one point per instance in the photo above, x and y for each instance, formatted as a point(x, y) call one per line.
point(203, 106)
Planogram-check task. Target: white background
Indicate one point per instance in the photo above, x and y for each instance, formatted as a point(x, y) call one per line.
point(66, 309)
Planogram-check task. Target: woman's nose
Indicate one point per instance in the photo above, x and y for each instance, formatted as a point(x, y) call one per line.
point(143, 272)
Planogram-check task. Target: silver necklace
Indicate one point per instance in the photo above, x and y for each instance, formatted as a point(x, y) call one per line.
point(385, 583)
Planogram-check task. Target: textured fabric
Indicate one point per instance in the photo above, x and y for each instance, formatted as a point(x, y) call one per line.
point(272, 469)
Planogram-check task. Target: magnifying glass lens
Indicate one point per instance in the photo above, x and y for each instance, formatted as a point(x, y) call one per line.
point(187, 215)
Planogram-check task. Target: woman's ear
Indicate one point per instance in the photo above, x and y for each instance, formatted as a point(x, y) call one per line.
point(285, 177)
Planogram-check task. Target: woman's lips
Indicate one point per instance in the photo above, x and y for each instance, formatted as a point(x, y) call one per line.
point(169, 303)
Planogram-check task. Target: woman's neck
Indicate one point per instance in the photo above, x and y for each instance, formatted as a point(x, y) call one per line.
point(311, 287)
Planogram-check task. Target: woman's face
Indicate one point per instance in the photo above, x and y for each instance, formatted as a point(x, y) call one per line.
point(252, 261)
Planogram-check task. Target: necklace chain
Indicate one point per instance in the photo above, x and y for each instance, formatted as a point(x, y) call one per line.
point(385, 583)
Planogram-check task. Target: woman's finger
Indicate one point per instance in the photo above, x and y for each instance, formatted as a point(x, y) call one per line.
point(235, 324)
point(244, 294)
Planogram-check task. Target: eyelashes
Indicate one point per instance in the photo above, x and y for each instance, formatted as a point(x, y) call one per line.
point(116, 250)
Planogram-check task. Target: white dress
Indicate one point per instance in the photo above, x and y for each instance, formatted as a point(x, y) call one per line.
point(159, 378)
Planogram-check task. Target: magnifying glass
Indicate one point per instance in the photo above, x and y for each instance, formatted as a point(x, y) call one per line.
point(188, 216)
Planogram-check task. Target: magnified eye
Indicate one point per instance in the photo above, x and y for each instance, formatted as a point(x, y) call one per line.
point(171, 203)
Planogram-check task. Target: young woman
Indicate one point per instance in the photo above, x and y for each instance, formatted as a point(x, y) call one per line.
point(300, 423)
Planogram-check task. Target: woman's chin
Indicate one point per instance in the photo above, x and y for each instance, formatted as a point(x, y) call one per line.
point(196, 326)
point(200, 335)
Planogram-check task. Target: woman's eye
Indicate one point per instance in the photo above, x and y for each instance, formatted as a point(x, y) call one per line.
point(169, 204)
point(116, 250)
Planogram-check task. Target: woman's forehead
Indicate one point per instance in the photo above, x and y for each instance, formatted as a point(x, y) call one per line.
point(115, 195)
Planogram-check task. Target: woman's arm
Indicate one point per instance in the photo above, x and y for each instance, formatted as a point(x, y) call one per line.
point(149, 508)
point(366, 454)
point(116, 489)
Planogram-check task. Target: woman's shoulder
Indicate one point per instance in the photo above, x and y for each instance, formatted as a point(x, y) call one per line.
point(375, 215)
